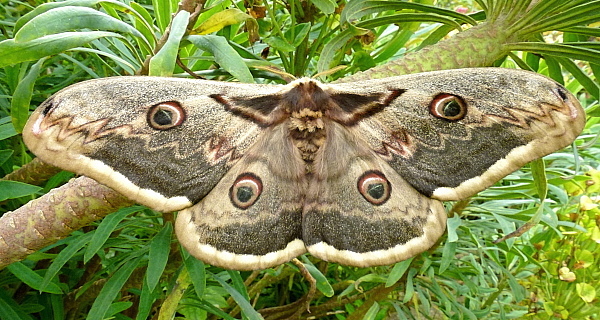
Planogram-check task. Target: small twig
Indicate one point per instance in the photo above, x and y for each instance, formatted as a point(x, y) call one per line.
point(186, 69)
point(295, 309)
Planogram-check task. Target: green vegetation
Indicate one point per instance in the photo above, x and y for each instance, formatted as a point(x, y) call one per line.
point(129, 264)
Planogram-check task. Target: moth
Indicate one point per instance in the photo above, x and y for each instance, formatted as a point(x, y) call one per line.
point(353, 173)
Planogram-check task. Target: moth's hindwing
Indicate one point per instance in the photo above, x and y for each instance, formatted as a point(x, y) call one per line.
point(363, 213)
point(252, 219)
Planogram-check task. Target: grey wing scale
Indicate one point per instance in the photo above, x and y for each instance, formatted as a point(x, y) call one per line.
point(100, 128)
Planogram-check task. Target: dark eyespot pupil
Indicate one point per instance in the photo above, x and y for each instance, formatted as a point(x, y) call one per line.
point(244, 194)
point(452, 109)
point(562, 93)
point(376, 190)
point(163, 117)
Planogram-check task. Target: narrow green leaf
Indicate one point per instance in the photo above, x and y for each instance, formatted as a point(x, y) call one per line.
point(214, 310)
point(197, 272)
point(297, 34)
point(15, 189)
point(242, 302)
point(19, 107)
point(577, 16)
point(398, 271)
point(355, 10)
point(323, 284)
point(163, 11)
point(5, 155)
point(238, 283)
point(224, 55)
point(126, 65)
point(410, 289)
point(7, 130)
point(12, 52)
point(64, 256)
point(44, 7)
point(453, 224)
point(559, 50)
point(538, 170)
point(587, 31)
point(32, 279)
point(163, 63)
point(9, 309)
point(117, 307)
point(588, 83)
point(147, 298)
point(71, 18)
point(372, 312)
point(106, 227)
point(158, 255)
point(111, 289)
point(448, 256)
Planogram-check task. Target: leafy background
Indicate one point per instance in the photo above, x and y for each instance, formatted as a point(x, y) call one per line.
point(129, 265)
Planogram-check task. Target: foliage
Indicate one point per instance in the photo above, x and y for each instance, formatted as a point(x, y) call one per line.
point(129, 265)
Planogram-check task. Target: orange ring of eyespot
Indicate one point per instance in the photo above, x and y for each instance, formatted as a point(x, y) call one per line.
point(374, 179)
point(441, 101)
point(176, 115)
point(245, 182)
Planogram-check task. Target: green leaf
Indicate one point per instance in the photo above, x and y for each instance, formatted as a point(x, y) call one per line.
point(104, 230)
point(372, 312)
point(448, 256)
point(335, 45)
point(32, 279)
point(297, 34)
point(586, 81)
point(64, 256)
point(354, 10)
point(239, 298)
point(577, 16)
point(111, 289)
point(15, 189)
point(51, 5)
point(126, 65)
point(220, 20)
point(163, 63)
point(453, 224)
point(12, 52)
point(325, 6)
point(196, 269)
point(398, 271)
point(279, 44)
point(559, 50)
point(5, 155)
point(224, 55)
point(19, 107)
point(7, 130)
point(71, 18)
point(323, 284)
point(238, 283)
point(586, 292)
point(538, 170)
point(158, 255)
point(9, 309)
point(163, 10)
